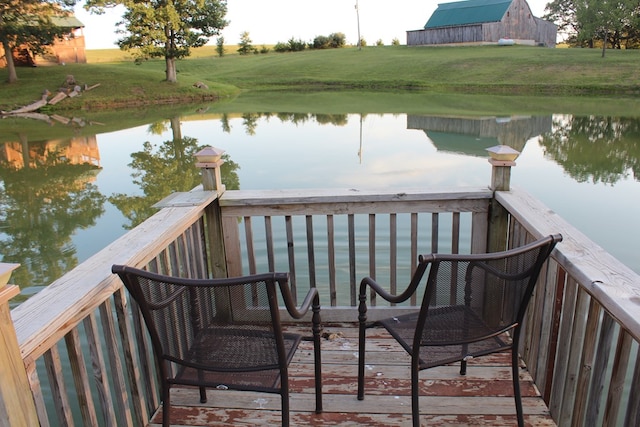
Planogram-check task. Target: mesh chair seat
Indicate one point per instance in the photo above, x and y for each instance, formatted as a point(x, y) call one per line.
point(236, 358)
point(451, 334)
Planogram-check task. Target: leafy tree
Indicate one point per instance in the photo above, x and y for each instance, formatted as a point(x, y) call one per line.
point(606, 19)
point(563, 14)
point(245, 46)
point(28, 24)
point(220, 46)
point(166, 29)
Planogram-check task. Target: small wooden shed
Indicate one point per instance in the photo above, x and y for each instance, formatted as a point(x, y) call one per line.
point(70, 48)
point(484, 22)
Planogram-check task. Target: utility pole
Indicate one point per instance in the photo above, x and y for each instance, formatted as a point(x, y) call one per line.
point(358, 18)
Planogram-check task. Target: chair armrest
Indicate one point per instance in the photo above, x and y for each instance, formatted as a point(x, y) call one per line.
point(312, 299)
point(378, 289)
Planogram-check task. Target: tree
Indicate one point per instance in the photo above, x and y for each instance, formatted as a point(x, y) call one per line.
point(607, 19)
point(563, 14)
point(245, 46)
point(220, 46)
point(166, 29)
point(28, 24)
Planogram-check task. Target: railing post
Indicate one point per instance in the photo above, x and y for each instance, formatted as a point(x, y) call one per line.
point(17, 407)
point(502, 158)
point(209, 160)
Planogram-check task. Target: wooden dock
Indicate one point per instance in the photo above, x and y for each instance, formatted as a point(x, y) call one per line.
point(484, 397)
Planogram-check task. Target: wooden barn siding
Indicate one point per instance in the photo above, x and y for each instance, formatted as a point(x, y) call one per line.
point(518, 23)
point(547, 33)
point(463, 34)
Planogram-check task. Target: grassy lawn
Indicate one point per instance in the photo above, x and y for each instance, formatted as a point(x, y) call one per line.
point(494, 70)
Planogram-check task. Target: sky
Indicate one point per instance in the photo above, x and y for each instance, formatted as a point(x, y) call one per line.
point(269, 22)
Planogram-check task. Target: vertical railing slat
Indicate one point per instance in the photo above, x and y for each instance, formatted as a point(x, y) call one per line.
point(393, 253)
point(586, 363)
point(598, 378)
point(100, 372)
point(331, 258)
point(352, 259)
point(311, 253)
point(38, 397)
point(268, 232)
point(573, 362)
point(59, 393)
point(632, 416)
point(414, 251)
point(80, 378)
point(291, 255)
point(117, 370)
point(126, 336)
point(372, 255)
point(618, 376)
point(251, 253)
point(562, 359)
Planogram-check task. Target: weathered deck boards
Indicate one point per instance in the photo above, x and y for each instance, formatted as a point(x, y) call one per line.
point(484, 397)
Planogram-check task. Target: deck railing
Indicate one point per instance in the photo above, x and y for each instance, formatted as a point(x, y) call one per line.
point(87, 359)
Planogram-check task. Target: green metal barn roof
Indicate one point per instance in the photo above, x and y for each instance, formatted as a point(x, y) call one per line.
point(468, 12)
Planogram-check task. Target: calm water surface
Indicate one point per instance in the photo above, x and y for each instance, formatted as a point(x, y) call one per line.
point(55, 215)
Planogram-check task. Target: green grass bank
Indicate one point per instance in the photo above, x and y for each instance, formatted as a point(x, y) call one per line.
point(489, 70)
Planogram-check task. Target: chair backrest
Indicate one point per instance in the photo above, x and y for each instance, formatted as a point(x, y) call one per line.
point(183, 315)
point(492, 290)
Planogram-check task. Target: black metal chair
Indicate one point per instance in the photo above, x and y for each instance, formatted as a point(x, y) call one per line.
point(222, 333)
point(469, 305)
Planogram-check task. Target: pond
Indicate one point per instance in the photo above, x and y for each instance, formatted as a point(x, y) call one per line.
point(82, 191)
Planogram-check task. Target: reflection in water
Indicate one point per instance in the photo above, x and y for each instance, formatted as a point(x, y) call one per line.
point(472, 136)
point(48, 190)
point(596, 149)
point(47, 195)
point(165, 169)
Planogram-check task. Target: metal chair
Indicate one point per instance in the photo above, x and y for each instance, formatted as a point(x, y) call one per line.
point(222, 333)
point(470, 303)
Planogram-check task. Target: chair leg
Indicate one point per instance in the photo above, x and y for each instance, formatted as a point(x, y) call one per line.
point(415, 393)
point(515, 374)
point(166, 406)
point(317, 358)
point(284, 393)
point(203, 395)
point(361, 354)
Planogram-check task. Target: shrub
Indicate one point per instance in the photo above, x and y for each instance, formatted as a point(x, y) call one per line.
point(395, 42)
point(281, 47)
point(321, 42)
point(296, 45)
point(220, 46)
point(379, 42)
point(337, 40)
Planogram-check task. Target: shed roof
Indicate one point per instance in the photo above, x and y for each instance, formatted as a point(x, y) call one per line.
point(67, 21)
point(468, 12)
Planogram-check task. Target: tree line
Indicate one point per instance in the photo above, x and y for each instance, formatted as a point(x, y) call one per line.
point(597, 23)
point(169, 29)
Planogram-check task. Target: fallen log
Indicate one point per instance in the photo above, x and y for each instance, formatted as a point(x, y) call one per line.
point(57, 98)
point(27, 108)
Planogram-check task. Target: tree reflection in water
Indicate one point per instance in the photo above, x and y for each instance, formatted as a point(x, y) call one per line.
point(596, 149)
point(44, 200)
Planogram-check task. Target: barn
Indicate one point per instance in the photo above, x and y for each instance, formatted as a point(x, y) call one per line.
point(68, 49)
point(484, 22)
